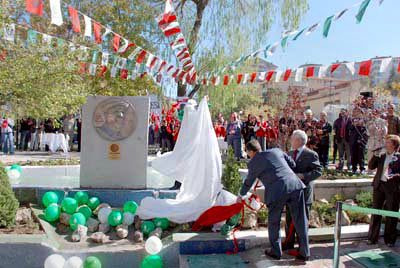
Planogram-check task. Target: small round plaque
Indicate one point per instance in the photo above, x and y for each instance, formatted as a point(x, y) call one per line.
point(115, 119)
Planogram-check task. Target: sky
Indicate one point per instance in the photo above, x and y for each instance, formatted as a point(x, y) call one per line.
point(377, 35)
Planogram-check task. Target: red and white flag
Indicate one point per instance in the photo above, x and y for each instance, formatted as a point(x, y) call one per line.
point(73, 14)
point(35, 7)
point(365, 68)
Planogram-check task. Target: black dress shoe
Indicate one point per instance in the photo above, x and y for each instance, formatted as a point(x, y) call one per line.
point(302, 258)
point(272, 256)
point(176, 186)
point(287, 247)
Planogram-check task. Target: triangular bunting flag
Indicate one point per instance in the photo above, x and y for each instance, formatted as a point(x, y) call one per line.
point(312, 28)
point(35, 7)
point(298, 35)
point(269, 75)
point(327, 26)
point(310, 72)
point(322, 71)
point(141, 56)
point(284, 42)
point(299, 74)
point(239, 78)
point(334, 67)
point(351, 67)
point(340, 14)
point(116, 40)
point(104, 59)
point(361, 11)
point(97, 32)
point(245, 78)
point(278, 76)
point(9, 32)
point(56, 15)
point(73, 14)
point(226, 80)
point(88, 26)
point(31, 38)
point(398, 68)
point(365, 68)
point(385, 64)
point(288, 72)
point(253, 77)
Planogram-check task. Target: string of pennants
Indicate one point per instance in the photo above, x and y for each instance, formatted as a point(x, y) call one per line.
point(288, 36)
point(363, 68)
point(144, 59)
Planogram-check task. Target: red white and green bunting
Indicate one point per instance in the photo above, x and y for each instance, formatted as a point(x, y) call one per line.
point(289, 36)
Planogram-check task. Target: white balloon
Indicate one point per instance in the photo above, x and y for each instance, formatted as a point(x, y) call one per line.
point(73, 262)
point(153, 245)
point(103, 214)
point(14, 174)
point(129, 218)
point(255, 204)
point(54, 261)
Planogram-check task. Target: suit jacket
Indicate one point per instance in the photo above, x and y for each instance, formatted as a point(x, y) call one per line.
point(338, 126)
point(274, 169)
point(308, 164)
point(378, 162)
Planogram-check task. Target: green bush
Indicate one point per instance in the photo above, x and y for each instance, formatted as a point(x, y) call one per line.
point(262, 215)
point(8, 203)
point(231, 179)
point(326, 212)
point(364, 199)
point(336, 198)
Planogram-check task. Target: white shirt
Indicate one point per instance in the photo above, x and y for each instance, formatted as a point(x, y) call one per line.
point(299, 151)
point(385, 173)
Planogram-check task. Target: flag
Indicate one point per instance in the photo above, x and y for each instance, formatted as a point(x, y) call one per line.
point(340, 14)
point(398, 68)
point(47, 38)
point(125, 46)
point(141, 56)
point(262, 76)
point(114, 71)
point(92, 69)
point(365, 68)
point(97, 32)
point(103, 70)
point(288, 72)
point(124, 74)
point(172, 29)
point(310, 72)
point(35, 7)
point(269, 75)
point(134, 53)
point(9, 32)
point(361, 11)
point(107, 32)
point(327, 26)
point(56, 15)
point(104, 59)
point(88, 26)
point(334, 67)
point(226, 80)
point(278, 76)
point(162, 66)
point(322, 71)
point(117, 38)
point(245, 78)
point(253, 77)
point(351, 67)
point(284, 42)
point(95, 55)
point(179, 42)
point(31, 38)
point(73, 14)
point(299, 74)
point(175, 73)
point(298, 35)
point(312, 28)
point(385, 64)
point(239, 78)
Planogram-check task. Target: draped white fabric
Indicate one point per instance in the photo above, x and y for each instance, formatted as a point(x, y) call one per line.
point(196, 162)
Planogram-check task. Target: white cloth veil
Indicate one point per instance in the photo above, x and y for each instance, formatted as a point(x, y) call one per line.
point(196, 162)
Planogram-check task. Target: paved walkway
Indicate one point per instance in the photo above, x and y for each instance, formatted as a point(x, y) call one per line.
point(36, 156)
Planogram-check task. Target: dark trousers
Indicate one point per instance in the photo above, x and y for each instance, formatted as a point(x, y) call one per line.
point(385, 197)
point(323, 154)
point(357, 157)
point(335, 151)
point(262, 141)
point(296, 204)
point(344, 149)
point(236, 144)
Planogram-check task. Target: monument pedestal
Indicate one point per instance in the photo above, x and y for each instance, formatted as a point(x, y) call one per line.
point(114, 142)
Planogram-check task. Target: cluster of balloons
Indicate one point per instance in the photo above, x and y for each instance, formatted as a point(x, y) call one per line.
point(80, 207)
point(117, 217)
point(149, 226)
point(58, 261)
point(14, 172)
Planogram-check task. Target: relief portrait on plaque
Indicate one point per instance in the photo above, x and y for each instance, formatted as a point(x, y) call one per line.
point(115, 119)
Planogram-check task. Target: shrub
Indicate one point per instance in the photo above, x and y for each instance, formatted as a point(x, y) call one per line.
point(262, 216)
point(364, 199)
point(231, 178)
point(326, 212)
point(336, 198)
point(8, 203)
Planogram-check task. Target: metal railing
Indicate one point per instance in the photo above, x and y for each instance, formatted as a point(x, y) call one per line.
point(340, 206)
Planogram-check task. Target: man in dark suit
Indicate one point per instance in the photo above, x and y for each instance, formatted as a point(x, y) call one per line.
point(274, 169)
point(342, 127)
point(308, 169)
point(386, 193)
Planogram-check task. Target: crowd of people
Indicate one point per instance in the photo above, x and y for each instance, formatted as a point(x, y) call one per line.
point(25, 133)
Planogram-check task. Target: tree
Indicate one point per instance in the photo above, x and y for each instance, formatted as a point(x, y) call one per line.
point(8, 203)
point(230, 24)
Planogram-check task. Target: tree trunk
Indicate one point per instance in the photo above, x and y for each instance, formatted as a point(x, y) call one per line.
point(194, 36)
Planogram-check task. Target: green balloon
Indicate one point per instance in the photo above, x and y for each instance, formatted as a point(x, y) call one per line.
point(115, 218)
point(226, 229)
point(17, 167)
point(86, 211)
point(92, 262)
point(69, 205)
point(49, 198)
point(93, 203)
point(234, 220)
point(52, 213)
point(161, 222)
point(82, 198)
point(77, 219)
point(130, 206)
point(148, 227)
point(152, 261)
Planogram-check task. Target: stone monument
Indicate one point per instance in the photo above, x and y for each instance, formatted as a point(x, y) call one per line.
point(114, 142)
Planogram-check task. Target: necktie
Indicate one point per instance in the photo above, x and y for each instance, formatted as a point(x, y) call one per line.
point(343, 128)
point(295, 155)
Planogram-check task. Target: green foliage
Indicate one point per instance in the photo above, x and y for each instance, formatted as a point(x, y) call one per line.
point(231, 179)
point(356, 216)
point(364, 199)
point(8, 203)
point(262, 215)
point(336, 198)
point(326, 212)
